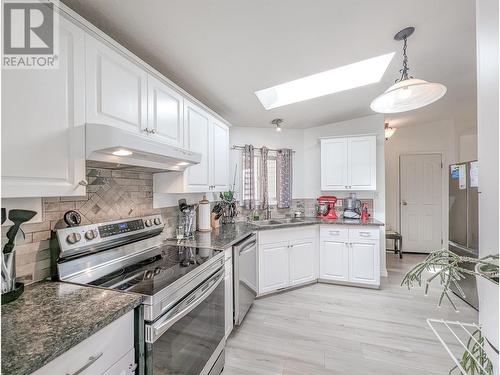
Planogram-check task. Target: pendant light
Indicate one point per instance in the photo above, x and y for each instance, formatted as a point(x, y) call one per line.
point(389, 132)
point(277, 122)
point(407, 93)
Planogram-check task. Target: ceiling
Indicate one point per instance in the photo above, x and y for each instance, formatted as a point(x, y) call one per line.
point(222, 51)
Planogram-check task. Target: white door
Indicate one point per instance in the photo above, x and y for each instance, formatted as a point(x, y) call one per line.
point(334, 260)
point(274, 267)
point(228, 297)
point(43, 112)
point(220, 156)
point(197, 128)
point(116, 91)
point(165, 113)
point(362, 156)
point(334, 164)
point(421, 202)
point(303, 261)
point(363, 264)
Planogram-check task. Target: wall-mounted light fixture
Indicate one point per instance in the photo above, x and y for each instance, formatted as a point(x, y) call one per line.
point(389, 132)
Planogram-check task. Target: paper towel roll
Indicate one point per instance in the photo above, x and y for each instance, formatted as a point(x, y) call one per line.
point(204, 215)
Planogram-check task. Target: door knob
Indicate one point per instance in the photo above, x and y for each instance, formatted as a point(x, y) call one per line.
point(404, 203)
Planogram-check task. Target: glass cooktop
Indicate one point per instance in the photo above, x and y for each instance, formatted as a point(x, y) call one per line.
point(151, 275)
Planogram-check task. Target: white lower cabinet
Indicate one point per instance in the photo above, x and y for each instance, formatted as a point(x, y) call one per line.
point(228, 293)
point(344, 255)
point(283, 264)
point(110, 351)
point(334, 260)
point(303, 262)
point(350, 255)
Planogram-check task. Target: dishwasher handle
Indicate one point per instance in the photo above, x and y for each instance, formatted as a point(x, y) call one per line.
point(248, 242)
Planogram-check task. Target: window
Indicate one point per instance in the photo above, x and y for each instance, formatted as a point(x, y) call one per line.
point(271, 178)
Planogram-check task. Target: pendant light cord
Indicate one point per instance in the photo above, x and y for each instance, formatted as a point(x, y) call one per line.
point(405, 70)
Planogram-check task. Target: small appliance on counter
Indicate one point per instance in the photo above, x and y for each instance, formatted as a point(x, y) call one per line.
point(325, 208)
point(352, 207)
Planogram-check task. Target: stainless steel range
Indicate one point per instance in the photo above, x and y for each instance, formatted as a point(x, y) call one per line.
point(182, 288)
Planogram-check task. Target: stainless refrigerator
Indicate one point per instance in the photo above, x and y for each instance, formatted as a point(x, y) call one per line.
point(463, 221)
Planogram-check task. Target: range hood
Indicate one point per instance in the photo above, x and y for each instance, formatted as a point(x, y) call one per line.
point(111, 147)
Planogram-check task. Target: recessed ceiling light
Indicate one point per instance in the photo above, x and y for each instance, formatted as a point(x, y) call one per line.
point(122, 152)
point(343, 78)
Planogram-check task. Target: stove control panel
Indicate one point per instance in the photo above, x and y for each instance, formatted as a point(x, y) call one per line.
point(84, 238)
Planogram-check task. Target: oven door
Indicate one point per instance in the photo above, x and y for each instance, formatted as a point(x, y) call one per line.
point(188, 338)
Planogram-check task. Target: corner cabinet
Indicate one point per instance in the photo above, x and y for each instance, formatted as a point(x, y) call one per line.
point(284, 264)
point(205, 135)
point(43, 116)
point(349, 163)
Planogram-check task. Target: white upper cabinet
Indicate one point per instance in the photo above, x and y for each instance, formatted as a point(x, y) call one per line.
point(165, 113)
point(334, 164)
point(209, 137)
point(362, 163)
point(220, 156)
point(116, 88)
point(197, 127)
point(349, 163)
point(43, 137)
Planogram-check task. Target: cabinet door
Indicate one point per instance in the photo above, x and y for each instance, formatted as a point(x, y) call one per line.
point(364, 262)
point(125, 366)
point(334, 164)
point(165, 113)
point(197, 127)
point(334, 260)
point(273, 267)
point(228, 297)
point(116, 91)
point(362, 169)
point(220, 156)
point(303, 261)
point(43, 137)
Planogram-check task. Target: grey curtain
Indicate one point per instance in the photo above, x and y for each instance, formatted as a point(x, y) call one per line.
point(264, 194)
point(284, 178)
point(248, 171)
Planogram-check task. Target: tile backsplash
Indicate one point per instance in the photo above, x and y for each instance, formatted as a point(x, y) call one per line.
point(111, 195)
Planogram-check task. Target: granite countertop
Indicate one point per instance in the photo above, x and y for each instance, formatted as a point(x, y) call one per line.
point(229, 234)
point(51, 317)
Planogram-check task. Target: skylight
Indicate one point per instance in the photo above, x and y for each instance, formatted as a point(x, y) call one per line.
point(343, 78)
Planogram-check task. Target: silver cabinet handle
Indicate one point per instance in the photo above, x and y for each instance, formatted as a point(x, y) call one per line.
point(404, 203)
point(132, 367)
point(83, 183)
point(153, 131)
point(334, 232)
point(89, 363)
point(364, 234)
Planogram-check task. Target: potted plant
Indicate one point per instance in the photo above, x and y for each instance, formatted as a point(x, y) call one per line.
point(449, 268)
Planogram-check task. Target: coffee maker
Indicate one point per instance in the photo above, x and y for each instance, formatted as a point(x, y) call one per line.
point(325, 208)
point(352, 207)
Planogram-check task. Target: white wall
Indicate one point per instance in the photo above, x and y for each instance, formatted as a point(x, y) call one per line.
point(487, 126)
point(269, 137)
point(467, 148)
point(435, 137)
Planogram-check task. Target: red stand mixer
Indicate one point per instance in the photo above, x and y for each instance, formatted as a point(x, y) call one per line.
point(326, 207)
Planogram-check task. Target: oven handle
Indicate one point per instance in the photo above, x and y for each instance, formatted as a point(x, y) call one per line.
point(191, 302)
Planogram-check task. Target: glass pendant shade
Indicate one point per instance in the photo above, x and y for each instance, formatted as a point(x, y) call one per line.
point(407, 95)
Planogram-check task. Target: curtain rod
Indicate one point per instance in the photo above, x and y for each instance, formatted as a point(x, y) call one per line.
point(236, 147)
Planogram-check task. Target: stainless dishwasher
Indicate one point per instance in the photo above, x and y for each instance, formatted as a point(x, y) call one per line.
point(245, 276)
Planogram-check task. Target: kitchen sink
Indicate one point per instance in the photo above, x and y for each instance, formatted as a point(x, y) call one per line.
point(277, 222)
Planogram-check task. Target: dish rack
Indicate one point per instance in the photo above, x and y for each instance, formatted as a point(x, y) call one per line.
point(457, 329)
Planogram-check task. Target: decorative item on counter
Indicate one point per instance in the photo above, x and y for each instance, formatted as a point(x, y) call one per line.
point(204, 215)
point(214, 221)
point(11, 289)
point(226, 209)
point(364, 213)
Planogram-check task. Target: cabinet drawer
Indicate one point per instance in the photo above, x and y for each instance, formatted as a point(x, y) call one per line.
point(288, 234)
point(364, 233)
point(98, 352)
point(333, 232)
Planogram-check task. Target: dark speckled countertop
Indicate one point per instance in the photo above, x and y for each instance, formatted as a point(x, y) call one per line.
point(228, 234)
point(51, 317)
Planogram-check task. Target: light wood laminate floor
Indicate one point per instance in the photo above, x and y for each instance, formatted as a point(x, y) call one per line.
point(331, 329)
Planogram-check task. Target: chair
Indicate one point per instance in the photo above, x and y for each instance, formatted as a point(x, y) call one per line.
point(398, 241)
